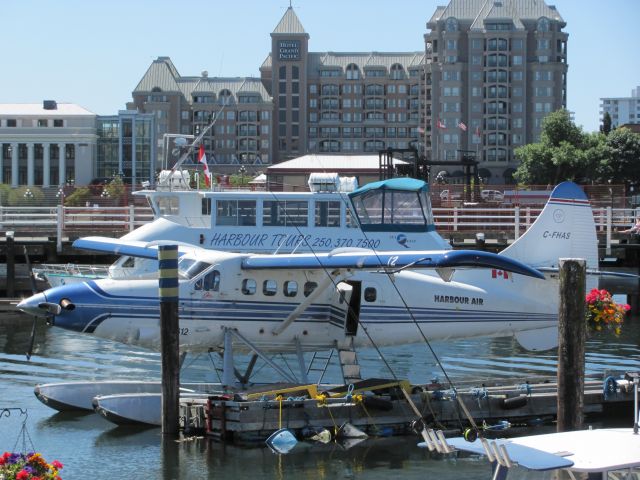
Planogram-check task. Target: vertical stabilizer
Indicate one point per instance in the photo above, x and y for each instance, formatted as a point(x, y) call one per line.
point(564, 229)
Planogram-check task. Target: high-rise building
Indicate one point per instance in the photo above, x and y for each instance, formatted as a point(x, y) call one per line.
point(494, 70)
point(622, 110)
point(489, 73)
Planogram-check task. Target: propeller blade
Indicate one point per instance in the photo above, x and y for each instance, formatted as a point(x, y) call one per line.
point(34, 290)
point(32, 339)
point(32, 277)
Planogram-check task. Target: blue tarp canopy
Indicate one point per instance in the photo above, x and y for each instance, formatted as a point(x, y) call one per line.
point(405, 184)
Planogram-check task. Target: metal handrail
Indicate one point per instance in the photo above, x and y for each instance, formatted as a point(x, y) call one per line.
point(48, 221)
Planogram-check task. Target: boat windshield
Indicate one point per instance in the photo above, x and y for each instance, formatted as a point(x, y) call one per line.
point(189, 267)
point(388, 209)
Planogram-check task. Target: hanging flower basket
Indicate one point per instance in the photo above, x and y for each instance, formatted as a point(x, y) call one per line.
point(603, 312)
point(29, 466)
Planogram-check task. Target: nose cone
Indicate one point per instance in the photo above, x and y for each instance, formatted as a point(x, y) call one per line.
point(31, 305)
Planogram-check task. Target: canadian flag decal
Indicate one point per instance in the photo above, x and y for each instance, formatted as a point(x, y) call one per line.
point(499, 273)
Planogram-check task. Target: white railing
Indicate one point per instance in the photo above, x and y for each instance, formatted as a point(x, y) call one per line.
point(61, 221)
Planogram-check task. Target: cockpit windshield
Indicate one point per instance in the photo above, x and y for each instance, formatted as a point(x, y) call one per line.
point(188, 268)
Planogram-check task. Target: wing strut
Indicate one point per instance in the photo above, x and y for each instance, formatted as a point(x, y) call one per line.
point(293, 316)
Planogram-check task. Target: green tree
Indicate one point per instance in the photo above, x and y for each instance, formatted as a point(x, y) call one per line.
point(4, 194)
point(25, 197)
point(78, 198)
point(606, 123)
point(563, 153)
point(623, 157)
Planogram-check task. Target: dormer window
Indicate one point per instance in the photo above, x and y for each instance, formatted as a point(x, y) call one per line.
point(452, 25)
point(353, 72)
point(543, 24)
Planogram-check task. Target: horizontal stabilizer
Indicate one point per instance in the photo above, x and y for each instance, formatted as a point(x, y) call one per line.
point(132, 248)
point(370, 260)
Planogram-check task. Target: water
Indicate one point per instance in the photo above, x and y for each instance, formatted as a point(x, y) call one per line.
point(90, 446)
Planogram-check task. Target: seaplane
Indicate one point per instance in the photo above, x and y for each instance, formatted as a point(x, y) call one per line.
point(345, 299)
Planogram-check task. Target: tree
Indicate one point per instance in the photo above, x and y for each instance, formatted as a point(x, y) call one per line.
point(606, 123)
point(623, 157)
point(563, 153)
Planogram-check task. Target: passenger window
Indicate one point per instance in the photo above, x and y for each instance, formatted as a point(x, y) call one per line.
point(249, 286)
point(290, 288)
point(309, 287)
point(370, 294)
point(269, 288)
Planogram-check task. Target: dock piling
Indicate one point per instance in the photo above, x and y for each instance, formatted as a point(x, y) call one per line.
point(169, 337)
point(571, 344)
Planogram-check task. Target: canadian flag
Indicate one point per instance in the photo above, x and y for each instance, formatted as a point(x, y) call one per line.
point(202, 158)
point(441, 124)
point(462, 126)
point(499, 273)
point(477, 132)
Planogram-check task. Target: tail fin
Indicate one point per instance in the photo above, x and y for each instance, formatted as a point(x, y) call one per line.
point(564, 229)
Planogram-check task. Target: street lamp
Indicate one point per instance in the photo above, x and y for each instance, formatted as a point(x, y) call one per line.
point(60, 194)
point(242, 170)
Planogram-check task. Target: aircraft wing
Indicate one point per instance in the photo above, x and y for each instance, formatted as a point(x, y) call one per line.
point(133, 248)
point(395, 260)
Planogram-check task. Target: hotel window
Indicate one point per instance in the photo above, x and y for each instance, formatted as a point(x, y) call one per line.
point(517, 44)
point(402, 88)
point(543, 58)
point(397, 72)
point(353, 73)
point(517, 76)
point(42, 122)
point(517, 107)
point(452, 44)
point(476, 60)
point(313, 88)
point(517, 59)
point(476, 43)
point(57, 122)
point(313, 103)
point(517, 123)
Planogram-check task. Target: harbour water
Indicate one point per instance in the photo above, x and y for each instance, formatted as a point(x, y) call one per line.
point(90, 446)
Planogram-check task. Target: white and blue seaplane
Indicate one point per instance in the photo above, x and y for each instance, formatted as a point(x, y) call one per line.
point(344, 299)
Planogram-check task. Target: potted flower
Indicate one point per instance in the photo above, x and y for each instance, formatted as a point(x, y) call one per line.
point(29, 466)
point(604, 312)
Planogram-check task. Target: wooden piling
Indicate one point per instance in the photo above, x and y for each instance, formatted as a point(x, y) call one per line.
point(169, 337)
point(571, 344)
point(11, 264)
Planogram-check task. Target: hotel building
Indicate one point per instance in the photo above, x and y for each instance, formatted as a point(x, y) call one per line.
point(490, 71)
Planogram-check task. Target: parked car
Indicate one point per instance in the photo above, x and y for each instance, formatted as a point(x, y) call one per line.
point(446, 195)
point(491, 195)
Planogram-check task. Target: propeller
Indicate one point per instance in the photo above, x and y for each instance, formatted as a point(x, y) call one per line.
point(34, 290)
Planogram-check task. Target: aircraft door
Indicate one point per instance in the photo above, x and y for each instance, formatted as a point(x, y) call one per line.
point(351, 295)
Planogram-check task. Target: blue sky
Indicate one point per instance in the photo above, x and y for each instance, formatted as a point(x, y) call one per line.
point(94, 52)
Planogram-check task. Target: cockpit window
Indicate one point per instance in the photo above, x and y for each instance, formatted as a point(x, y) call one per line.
point(189, 267)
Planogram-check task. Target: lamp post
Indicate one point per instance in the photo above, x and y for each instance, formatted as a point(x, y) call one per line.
point(60, 195)
point(242, 170)
point(28, 196)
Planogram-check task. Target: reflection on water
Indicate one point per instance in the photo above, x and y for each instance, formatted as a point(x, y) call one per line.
point(86, 443)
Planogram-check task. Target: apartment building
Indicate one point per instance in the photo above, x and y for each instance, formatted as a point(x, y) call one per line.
point(623, 110)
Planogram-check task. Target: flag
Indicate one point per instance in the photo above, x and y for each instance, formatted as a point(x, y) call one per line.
point(462, 126)
point(499, 273)
point(441, 124)
point(420, 130)
point(202, 158)
point(477, 132)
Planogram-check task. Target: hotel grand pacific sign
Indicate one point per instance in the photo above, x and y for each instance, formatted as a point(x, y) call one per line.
point(289, 50)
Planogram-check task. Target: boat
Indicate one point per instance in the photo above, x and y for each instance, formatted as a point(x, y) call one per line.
point(596, 454)
point(386, 215)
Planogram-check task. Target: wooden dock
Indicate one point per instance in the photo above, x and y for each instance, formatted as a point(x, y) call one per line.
point(386, 412)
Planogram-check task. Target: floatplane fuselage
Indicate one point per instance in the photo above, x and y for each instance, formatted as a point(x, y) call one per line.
point(284, 302)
